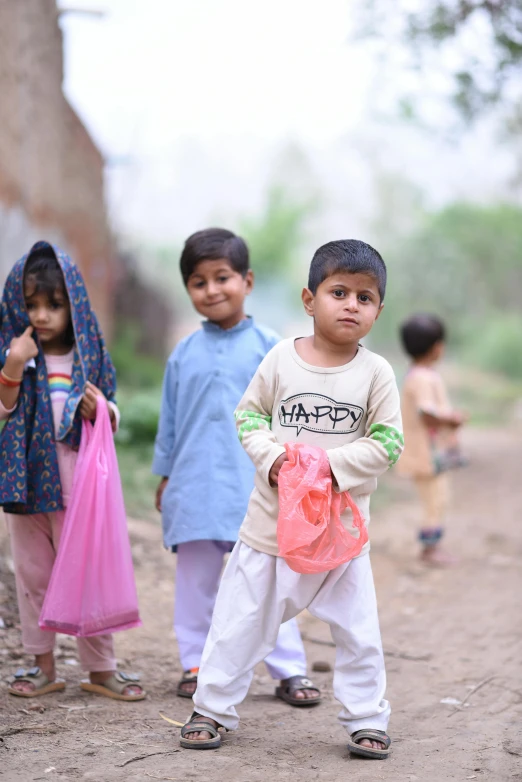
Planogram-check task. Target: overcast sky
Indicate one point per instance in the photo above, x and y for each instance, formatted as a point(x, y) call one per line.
point(193, 104)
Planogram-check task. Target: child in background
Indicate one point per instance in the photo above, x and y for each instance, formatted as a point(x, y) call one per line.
point(430, 427)
point(207, 478)
point(329, 391)
point(54, 366)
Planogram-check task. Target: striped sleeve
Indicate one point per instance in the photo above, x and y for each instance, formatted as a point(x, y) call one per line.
point(380, 448)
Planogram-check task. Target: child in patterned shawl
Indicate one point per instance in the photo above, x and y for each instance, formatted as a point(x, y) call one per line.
point(53, 366)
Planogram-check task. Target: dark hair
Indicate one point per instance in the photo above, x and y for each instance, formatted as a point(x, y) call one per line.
point(347, 255)
point(46, 274)
point(420, 333)
point(211, 245)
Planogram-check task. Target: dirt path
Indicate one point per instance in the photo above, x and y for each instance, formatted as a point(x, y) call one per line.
point(445, 635)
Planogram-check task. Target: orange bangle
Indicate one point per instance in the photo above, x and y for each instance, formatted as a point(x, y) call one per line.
point(5, 380)
point(12, 379)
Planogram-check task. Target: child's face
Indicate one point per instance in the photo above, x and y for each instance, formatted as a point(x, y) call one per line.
point(344, 308)
point(218, 292)
point(50, 317)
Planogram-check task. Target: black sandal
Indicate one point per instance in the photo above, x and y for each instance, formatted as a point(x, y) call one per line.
point(292, 685)
point(196, 723)
point(369, 752)
point(188, 677)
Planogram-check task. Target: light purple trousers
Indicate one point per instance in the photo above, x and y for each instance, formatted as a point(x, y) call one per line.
point(198, 572)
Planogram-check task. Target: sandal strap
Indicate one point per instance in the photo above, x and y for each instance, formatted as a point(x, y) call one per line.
point(296, 683)
point(189, 676)
point(33, 675)
point(120, 680)
point(372, 735)
point(197, 723)
point(122, 676)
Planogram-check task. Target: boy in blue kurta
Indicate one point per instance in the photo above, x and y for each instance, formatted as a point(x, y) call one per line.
point(207, 478)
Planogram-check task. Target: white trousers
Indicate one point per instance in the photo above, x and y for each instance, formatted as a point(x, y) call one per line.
point(198, 569)
point(257, 593)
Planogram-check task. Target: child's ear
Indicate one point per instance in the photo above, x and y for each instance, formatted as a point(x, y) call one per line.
point(307, 298)
point(381, 307)
point(249, 281)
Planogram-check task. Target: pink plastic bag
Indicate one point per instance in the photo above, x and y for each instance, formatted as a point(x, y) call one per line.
point(92, 589)
point(310, 534)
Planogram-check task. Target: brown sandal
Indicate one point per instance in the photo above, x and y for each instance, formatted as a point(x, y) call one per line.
point(41, 683)
point(292, 685)
point(198, 722)
point(369, 752)
point(189, 677)
point(115, 686)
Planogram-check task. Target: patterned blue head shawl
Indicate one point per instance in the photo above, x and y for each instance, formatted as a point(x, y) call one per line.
point(29, 477)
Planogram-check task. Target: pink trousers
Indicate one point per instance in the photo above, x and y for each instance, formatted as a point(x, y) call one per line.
point(34, 543)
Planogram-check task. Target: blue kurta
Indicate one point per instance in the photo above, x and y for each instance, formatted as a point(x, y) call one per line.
point(210, 475)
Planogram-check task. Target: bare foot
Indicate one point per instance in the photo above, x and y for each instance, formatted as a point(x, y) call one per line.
point(371, 744)
point(436, 556)
point(46, 663)
point(201, 735)
point(100, 677)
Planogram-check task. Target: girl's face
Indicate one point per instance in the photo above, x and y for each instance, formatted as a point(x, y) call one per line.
point(49, 316)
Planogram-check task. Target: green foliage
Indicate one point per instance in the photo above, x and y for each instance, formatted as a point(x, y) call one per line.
point(465, 264)
point(486, 71)
point(139, 485)
point(275, 237)
point(499, 348)
point(139, 417)
point(134, 369)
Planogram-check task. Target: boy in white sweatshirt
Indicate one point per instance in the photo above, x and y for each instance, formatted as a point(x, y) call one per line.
point(329, 391)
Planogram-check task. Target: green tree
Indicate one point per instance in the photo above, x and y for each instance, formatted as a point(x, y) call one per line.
point(464, 263)
point(275, 236)
point(483, 38)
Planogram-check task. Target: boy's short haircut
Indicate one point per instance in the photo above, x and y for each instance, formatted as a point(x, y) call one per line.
point(420, 333)
point(347, 255)
point(212, 244)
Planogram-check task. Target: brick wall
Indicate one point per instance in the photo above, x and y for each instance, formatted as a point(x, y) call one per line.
point(51, 173)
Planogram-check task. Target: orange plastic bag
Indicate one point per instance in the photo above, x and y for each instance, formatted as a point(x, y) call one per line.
point(310, 534)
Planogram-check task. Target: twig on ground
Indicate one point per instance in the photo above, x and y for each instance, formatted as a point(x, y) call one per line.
point(172, 722)
point(512, 748)
point(472, 692)
point(21, 728)
point(89, 707)
point(149, 755)
point(405, 656)
point(152, 776)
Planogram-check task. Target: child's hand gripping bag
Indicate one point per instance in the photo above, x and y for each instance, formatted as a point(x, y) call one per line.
point(92, 588)
point(310, 534)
